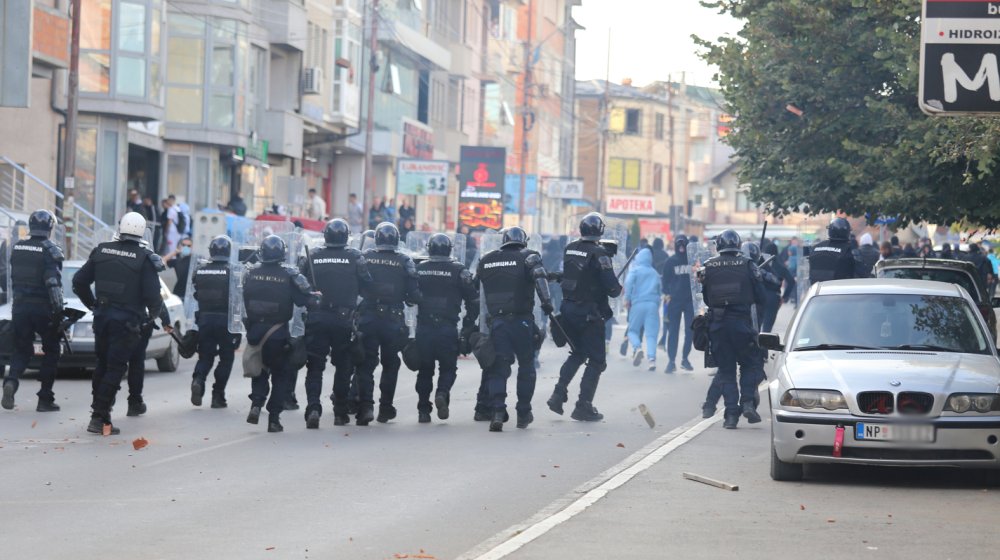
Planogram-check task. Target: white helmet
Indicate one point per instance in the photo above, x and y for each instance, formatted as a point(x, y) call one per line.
point(132, 224)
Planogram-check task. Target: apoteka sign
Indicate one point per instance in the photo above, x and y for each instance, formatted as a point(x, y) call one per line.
point(634, 205)
point(959, 49)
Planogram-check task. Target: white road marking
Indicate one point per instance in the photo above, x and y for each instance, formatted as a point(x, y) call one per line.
point(514, 538)
point(200, 451)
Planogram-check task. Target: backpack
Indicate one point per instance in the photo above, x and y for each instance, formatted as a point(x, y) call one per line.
point(181, 223)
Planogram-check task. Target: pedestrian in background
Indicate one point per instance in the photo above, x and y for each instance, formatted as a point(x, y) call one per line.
point(355, 214)
point(680, 304)
point(642, 299)
point(180, 261)
point(869, 254)
point(885, 251)
point(315, 206)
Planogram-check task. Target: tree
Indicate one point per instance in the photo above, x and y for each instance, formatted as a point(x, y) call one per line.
point(825, 100)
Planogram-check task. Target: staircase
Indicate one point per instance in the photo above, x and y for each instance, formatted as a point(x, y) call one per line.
point(21, 193)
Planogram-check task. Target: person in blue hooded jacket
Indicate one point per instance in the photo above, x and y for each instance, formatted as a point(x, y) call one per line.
point(642, 298)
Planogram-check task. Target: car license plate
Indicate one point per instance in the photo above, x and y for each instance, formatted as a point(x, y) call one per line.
point(907, 433)
point(38, 349)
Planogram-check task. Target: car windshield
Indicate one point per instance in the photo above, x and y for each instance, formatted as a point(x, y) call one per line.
point(937, 275)
point(67, 281)
point(893, 321)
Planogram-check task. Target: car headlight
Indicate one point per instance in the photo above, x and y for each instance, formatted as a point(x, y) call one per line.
point(810, 398)
point(972, 402)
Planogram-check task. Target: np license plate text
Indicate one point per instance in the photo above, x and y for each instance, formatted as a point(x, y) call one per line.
point(894, 432)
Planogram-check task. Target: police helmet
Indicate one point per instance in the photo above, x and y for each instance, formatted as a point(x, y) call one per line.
point(41, 223)
point(769, 248)
point(592, 227)
point(220, 248)
point(336, 233)
point(132, 226)
point(272, 249)
point(515, 236)
point(751, 251)
point(387, 237)
point(839, 229)
point(439, 245)
point(728, 242)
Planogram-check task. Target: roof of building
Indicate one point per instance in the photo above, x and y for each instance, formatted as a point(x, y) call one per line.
point(595, 88)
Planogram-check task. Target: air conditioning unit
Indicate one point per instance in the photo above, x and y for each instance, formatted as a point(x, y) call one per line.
point(312, 80)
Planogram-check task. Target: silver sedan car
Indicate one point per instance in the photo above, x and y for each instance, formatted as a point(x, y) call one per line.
point(884, 372)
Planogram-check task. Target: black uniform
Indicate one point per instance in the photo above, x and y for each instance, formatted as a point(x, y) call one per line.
point(36, 276)
point(676, 284)
point(128, 287)
point(731, 285)
point(510, 277)
point(383, 327)
point(445, 284)
point(137, 362)
point(835, 260)
point(211, 283)
point(588, 281)
point(270, 293)
point(340, 274)
point(768, 313)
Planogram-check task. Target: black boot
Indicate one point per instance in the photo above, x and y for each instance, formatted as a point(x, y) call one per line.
point(441, 401)
point(219, 401)
point(96, 426)
point(9, 388)
point(365, 415)
point(585, 412)
point(424, 417)
point(707, 410)
point(497, 420)
point(482, 415)
point(312, 420)
point(750, 413)
point(292, 404)
point(524, 419)
point(352, 408)
point(386, 412)
point(197, 391)
point(341, 419)
point(136, 408)
point(47, 405)
point(274, 425)
point(730, 422)
point(254, 416)
point(555, 402)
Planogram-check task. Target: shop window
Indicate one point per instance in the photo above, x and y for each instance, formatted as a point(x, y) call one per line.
point(659, 126)
point(108, 175)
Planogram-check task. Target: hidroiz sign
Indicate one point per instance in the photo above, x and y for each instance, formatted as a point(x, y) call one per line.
point(960, 44)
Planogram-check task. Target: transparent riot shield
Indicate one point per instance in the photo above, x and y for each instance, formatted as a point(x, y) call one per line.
point(535, 244)
point(7, 241)
point(295, 246)
point(488, 242)
point(237, 270)
point(801, 278)
point(698, 252)
point(474, 239)
point(618, 232)
point(199, 258)
point(416, 245)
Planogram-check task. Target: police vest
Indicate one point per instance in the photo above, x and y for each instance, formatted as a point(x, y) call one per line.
point(118, 273)
point(267, 294)
point(581, 281)
point(728, 281)
point(27, 265)
point(335, 273)
point(831, 260)
point(506, 285)
point(441, 286)
point(389, 274)
point(211, 287)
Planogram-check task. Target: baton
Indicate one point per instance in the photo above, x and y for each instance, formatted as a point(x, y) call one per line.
point(552, 317)
point(628, 262)
point(767, 261)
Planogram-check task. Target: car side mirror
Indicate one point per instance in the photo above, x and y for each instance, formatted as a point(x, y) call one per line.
point(770, 341)
point(996, 302)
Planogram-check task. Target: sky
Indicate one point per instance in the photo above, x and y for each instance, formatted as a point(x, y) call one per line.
point(650, 39)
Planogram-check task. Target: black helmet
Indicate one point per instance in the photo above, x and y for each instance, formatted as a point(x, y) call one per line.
point(272, 249)
point(41, 223)
point(680, 243)
point(439, 245)
point(728, 242)
point(751, 251)
point(336, 233)
point(387, 237)
point(514, 236)
point(220, 248)
point(839, 229)
point(770, 248)
point(592, 227)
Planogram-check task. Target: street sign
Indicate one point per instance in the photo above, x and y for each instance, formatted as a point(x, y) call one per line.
point(422, 177)
point(562, 188)
point(960, 44)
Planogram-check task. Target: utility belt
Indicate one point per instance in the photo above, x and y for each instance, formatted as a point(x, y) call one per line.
point(383, 310)
point(436, 320)
point(593, 310)
point(103, 304)
point(338, 312)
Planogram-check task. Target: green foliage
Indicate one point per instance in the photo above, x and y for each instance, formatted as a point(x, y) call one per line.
point(861, 144)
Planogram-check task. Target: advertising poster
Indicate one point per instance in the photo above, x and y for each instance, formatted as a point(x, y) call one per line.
point(481, 187)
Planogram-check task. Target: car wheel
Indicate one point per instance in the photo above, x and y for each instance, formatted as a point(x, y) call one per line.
point(170, 361)
point(782, 471)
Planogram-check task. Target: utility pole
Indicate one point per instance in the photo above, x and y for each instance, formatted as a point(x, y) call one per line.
point(69, 145)
point(602, 173)
point(526, 114)
point(670, 143)
point(369, 194)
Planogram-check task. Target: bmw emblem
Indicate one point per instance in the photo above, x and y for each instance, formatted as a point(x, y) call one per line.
point(895, 383)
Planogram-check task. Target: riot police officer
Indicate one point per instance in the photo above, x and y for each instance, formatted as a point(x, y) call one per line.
point(124, 276)
point(510, 278)
point(732, 284)
point(834, 259)
point(36, 275)
point(445, 284)
point(588, 281)
point(769, 312)
point(270, 293)
point(137, 362)
point(211, 283)
point(339, 273)
point(394, 284)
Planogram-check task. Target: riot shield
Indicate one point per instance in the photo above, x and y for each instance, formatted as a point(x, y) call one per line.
point(535, 244)
point(488, 242)
point(244, 257)
point(699, 252)
point(416, 245)
point(199, 258)
point(7, 227)
point(237, 269)
point(801, 278)
point(618, 233)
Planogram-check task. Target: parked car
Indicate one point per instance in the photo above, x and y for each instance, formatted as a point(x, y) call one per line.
point(162, 346)
point(884, 372)
point(962, 273)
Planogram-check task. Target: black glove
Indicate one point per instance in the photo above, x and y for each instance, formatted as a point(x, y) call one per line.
point(611, 247)
point(547, 307)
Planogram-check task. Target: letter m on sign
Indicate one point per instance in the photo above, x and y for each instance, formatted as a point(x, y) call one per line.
point(953, 76)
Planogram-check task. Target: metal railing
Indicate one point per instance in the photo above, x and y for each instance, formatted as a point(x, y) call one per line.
point(21, 192)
